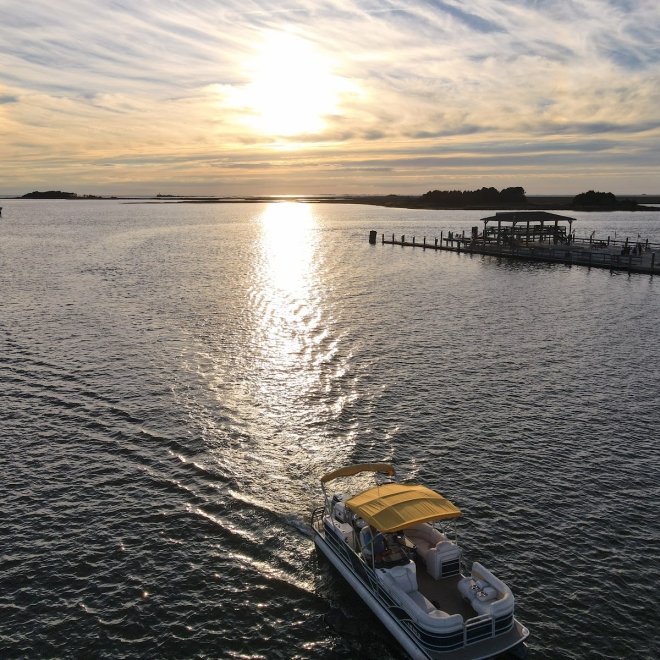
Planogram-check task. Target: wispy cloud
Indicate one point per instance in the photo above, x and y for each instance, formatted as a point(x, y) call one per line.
point(425, 93)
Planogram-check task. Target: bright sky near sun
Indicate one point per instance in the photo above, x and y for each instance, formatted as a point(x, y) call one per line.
point(246, 97)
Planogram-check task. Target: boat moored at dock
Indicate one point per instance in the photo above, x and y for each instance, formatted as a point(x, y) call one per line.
point(392, 544)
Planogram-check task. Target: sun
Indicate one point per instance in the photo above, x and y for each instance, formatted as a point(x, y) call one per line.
point(293, 89)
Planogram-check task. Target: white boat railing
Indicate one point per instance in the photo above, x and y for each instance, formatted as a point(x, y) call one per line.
point(477, 622)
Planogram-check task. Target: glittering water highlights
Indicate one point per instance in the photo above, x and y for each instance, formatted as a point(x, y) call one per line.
point(174, 379)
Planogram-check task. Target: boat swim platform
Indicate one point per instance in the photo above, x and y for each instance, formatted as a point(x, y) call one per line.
point(637, 257)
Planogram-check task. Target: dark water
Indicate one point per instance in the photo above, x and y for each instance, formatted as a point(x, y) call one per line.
point(174, 379)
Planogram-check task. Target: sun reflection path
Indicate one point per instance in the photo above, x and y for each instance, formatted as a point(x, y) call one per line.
point(287, 230)
point(289, 303)
point(298, 362)
point(282, 368)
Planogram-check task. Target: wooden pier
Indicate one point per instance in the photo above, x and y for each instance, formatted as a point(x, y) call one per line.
point(554, 246)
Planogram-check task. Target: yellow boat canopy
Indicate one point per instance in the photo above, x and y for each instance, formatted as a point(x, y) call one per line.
point(392, 507)
point(350, 470)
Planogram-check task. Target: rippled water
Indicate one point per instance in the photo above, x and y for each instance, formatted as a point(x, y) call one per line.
point(174, 379)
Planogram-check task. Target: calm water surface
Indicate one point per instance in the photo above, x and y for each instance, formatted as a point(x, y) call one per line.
point(174, 379)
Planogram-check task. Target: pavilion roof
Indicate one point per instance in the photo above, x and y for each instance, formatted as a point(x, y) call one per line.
point(525, 216)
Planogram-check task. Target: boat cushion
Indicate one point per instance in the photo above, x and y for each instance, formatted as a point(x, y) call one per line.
point(403, 577)
point(466, 587)
point(486, 593)
point(422, 602)
point(424, 537)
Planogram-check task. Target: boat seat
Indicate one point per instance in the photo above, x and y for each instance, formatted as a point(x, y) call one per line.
point(424, 537)
point(339, 512)
point(443, 560)
point(427, 606)
point(422, 601)
point(486, 593)
point(343, 530)
point(403, 577)
point(401, 583)
point(440, 555)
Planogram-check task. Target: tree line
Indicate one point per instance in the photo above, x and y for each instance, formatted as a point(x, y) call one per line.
point(606, 200)
point(513, 195)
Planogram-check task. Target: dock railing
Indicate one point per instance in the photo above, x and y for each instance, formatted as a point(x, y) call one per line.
point(617, 254)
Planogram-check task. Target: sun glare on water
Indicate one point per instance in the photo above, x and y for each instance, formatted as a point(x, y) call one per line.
point(293, 89)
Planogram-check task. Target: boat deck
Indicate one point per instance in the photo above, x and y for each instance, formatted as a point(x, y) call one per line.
point(444, 593)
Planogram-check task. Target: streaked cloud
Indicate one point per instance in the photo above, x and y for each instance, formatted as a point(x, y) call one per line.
point(145, 97)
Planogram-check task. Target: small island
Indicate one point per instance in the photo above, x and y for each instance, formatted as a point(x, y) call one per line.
point(601, 201)
point(58, 194)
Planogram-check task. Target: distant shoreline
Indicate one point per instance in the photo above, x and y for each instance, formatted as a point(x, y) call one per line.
point(534, 202)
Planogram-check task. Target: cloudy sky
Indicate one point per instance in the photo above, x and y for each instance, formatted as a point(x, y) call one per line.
point(240, 97)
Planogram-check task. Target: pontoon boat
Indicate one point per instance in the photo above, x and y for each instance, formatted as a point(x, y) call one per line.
point(392, 545)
